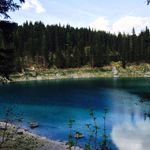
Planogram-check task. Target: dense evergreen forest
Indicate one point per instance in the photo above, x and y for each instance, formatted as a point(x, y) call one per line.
point(68, 47)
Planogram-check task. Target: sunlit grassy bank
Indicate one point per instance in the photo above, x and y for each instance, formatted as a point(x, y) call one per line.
point(131, 70)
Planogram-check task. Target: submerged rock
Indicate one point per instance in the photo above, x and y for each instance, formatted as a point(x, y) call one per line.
point(79, 135)
point(34, 125)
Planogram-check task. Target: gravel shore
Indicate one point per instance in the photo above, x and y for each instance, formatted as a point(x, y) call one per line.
point(24, 140)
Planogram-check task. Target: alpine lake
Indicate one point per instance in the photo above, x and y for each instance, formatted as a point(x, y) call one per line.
point(52, 103)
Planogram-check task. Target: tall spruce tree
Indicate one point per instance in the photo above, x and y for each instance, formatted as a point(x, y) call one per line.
point(6, 29)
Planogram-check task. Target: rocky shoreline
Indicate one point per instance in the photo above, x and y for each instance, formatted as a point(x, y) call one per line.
point(36, 142)
point(75, 76)
point(113, 70)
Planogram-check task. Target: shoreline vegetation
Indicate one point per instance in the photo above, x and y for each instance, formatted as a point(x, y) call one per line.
point(24, 139)
point(113, 70)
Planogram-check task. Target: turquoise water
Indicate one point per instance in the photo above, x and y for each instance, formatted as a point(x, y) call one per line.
point(53, 103)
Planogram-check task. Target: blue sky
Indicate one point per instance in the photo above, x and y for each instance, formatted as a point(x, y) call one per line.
point(108, 15)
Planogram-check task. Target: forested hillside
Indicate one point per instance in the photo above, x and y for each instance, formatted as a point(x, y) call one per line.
point(68, 47)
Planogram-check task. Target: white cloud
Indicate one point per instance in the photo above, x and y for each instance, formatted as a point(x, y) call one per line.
point(126, 24)
point(123, 24)
point(129, 137)
point(100, 24)
point(34, 4)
